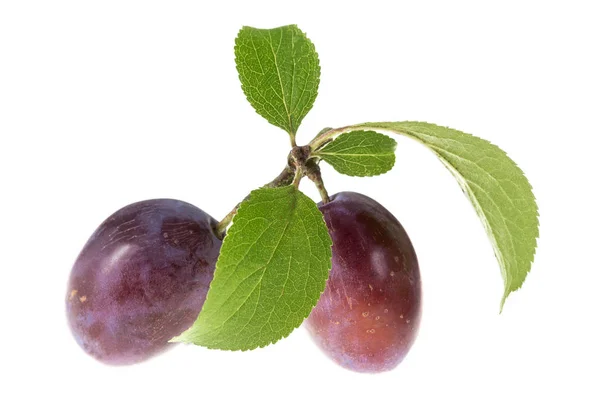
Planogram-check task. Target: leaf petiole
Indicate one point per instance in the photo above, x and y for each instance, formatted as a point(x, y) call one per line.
point(297, 178)
point(326, 136)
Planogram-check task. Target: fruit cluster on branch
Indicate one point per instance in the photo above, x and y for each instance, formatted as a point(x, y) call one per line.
point(162, 271)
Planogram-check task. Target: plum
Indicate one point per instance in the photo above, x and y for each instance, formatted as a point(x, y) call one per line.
point(141, 279)
point(368, 316)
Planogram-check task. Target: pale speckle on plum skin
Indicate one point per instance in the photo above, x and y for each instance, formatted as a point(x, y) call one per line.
point(141, 279)
point(380, 337)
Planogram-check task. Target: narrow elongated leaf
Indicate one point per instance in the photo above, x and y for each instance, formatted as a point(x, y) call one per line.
point(279, 70)
point(360, 153)
point(496, 186)
point(273, 267)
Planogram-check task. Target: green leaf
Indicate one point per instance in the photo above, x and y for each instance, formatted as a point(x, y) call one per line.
point(360, 153)
point(273, 267)
point(279, 70)
point(498, 189)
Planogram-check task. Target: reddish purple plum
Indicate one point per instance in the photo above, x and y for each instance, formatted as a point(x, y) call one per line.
point(368, 317)
point(141, 279)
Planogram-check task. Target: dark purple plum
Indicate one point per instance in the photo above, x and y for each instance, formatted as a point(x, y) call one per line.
point(368, 317)
point(141, 279)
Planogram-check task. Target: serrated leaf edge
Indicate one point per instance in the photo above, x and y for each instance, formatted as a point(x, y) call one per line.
point(466, 188)
point(184, 337)
point(323, 152)
point(291, 130)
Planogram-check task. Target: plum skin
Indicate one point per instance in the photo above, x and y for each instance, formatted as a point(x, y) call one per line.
point(141, 279)
point(367, 318)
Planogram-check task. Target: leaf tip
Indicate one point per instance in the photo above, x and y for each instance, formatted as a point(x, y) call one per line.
point(502, 303)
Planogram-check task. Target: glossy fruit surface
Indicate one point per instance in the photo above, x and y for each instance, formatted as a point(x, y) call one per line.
point(141, 279)
point(368, 317)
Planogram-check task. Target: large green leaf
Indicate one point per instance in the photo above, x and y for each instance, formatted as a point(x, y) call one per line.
point(360, 153)
point(279, 70)
point(273, 267)
point(498, 189)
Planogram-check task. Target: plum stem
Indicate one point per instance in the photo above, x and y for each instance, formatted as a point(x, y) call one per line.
point(285, 178)
point(300, 164)
point(221, 227)
point(307, 166)
point(314, 174)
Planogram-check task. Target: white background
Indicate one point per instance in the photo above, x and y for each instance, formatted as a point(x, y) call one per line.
point(107, 103)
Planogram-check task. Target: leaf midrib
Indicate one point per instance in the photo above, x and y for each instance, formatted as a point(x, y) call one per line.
point(355, 154)
point(287, 111)
point(437, 151)
point(259, 282)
